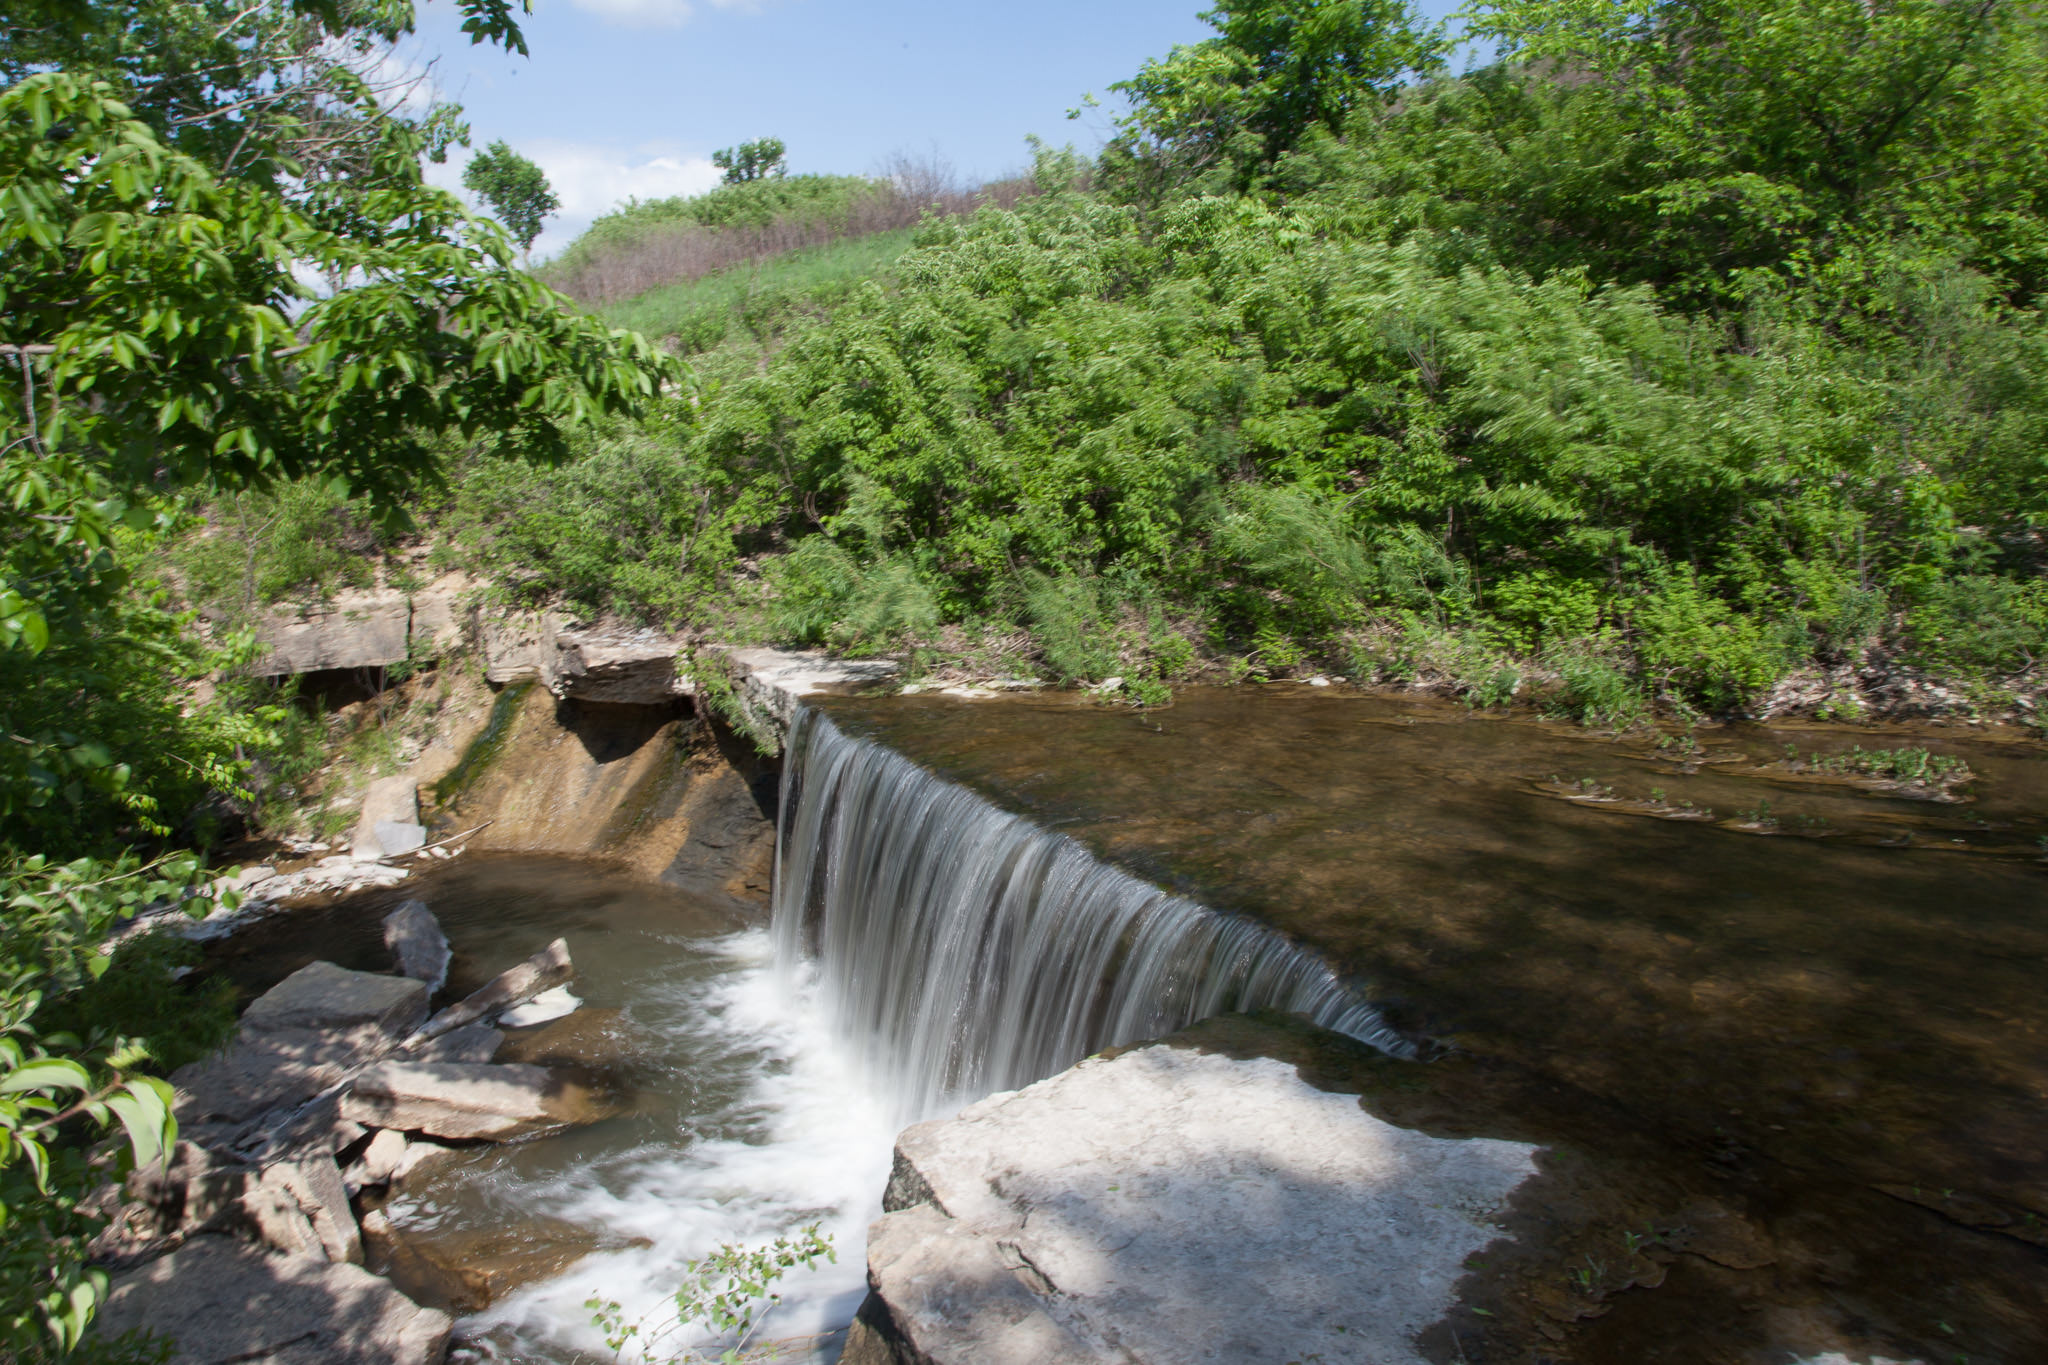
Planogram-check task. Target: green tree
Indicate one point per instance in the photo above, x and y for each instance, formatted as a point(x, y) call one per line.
point(1214, 112)
point(158, 339)
point(515, 188)
point(1700, 139)
point(761, 159)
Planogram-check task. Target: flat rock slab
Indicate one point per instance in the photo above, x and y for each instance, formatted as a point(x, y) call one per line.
point(469, 1101)
point(1168, 1206)
point(335, 1000)
point(471, 1043)
point(221, 1300)
point(263, 1070)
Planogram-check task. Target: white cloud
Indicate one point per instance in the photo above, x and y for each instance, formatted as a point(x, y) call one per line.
point(652, 13)
point(592, 179)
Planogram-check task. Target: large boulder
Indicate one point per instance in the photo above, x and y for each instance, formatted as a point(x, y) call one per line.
point(470, 1100)
point(340, 1002)
point(389, 801)
point(636, 669)
point(221, 1300)
point(301, 1036)
point(353, 630)
point(414, 937)
point(262, 1071)
point(1167, 1206)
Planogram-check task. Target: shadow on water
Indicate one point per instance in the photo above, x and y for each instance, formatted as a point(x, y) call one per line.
point(1825, 1045)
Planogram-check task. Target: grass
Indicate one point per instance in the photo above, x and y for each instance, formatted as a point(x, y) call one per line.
point(701, 313)
point(1916, 768)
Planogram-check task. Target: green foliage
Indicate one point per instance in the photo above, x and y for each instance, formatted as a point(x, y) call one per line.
point(1688, 344)
point(1212, 113)
point(515, 188)
point(299, 539)
point(628, 529)
point(761, 159)
point(57, 919)
point(164, 354)
point(755, 303)
point(725, 1293)
point(1911, 767)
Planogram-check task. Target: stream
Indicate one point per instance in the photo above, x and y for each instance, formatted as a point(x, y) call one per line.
point(1732, 986)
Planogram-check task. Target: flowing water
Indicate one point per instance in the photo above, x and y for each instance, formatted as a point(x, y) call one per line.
point(746, 1119)
point(1814, 1008)
point(1725, 979)
point(964, 950)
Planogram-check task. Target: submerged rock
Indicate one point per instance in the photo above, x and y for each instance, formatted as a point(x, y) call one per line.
point(221, 1300)
point(468, 1269)
point(593, 1040)
point(1166, 1206)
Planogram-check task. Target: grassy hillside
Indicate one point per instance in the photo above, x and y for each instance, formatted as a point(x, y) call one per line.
point(760, 297)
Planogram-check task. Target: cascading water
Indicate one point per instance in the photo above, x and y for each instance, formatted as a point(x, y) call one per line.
point(964, 950)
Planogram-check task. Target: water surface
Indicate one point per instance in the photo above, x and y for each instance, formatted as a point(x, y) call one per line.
point(1822, 1009)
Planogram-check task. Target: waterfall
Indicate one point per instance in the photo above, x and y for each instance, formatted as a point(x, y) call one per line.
point(964, 950)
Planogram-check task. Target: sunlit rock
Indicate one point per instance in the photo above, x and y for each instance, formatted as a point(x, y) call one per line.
point(414, 937)
point(389, 800)
point(1170, 1205)
point(220, 1300)
point(352, 630)
point(625, 669)
point(470, 1101)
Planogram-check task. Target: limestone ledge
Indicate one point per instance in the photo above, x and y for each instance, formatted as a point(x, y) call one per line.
point(1170, 1205)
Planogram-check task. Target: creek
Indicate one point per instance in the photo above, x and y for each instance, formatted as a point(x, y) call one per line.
point(1722, 982)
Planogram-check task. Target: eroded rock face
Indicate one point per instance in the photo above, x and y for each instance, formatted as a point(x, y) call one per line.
point(221, 1300)
point(634, 669)
point(1170, 1206)
point(773, 682)
point(518, 645)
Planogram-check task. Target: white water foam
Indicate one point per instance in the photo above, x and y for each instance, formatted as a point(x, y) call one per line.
point(801, 1142)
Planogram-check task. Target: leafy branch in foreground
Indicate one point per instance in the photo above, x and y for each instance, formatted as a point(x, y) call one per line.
point(63, 1097)
point(726, 1294)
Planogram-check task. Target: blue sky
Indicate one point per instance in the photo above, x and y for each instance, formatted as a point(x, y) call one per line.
point(630, 97)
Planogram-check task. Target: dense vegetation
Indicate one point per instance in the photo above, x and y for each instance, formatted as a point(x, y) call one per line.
point(169, 174)
point(1683, 347)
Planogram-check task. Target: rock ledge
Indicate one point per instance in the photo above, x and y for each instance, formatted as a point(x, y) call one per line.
point(1167, 1206)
